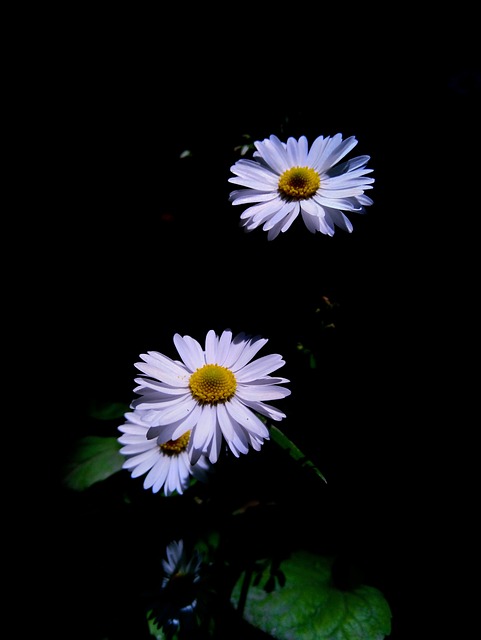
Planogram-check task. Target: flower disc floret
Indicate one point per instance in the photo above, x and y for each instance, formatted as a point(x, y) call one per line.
point(174, 447)
point(299, 183)
point(212, 384)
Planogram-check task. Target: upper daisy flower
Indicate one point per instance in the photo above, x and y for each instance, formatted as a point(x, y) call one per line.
point(289, 178)
point(213, 393)
point(167, 465)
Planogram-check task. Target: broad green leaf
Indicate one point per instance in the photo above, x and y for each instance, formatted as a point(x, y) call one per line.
point(94, 459)
point(284, 442)
point(308, 607)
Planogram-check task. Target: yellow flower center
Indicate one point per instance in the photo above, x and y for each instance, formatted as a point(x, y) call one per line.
point(174, 447)
point(299, 183)
point(212, 384)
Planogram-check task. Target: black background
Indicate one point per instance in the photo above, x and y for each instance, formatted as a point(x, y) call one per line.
point(140, 244)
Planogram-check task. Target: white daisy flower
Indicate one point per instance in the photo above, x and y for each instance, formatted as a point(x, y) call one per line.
point(289, 178)
point(174, 608)
point(167, 465)
point(214, 393)
point(177, 563)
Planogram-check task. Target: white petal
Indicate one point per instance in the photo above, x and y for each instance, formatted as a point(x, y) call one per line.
point(213, 450)
point(364, 200)
point(223, 347)
point(232, 432)
point(260, 393)
point(161, 433)
point(170, 372)
point(225, 423)
point(297, 151)
point(316, 152)
point(236, 347)
point(175, 481)
point(158, 387)
point(146, 402)
point(317, 222)
point(201, 469)
point(259, 368)
point(248, 349)
point(276, 229)
point(175, 413)
point(348, 203)
point(335, 151)
point(159, 474)
point(246, 418)
point(339, 219)
point(133, 429)
point(195, 455)
point(266, 410)
point(254, 175)
point(273, 151)
point(268, 380)
point(190, 351)
point(203, 431)
point(259, 213)
point(311, 221)
point(290, 219)
point(285, 210)
point(133, 448)
point(141, 463)
point(188, 424)
point(245, 196)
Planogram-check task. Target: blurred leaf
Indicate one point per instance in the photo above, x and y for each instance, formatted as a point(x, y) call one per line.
point(109, 410)
point(94, 459)
point(284, 442)
point(307, 352)
point(308, 607)
point(157, 633)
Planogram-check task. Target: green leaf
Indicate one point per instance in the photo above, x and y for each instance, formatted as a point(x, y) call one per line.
point(94, 459)
point(308, 352)
point(284, 442)
point(157, 633)
point(308, 607)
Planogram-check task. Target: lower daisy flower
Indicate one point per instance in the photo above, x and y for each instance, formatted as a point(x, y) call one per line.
point(288, 179)
point(174, 607)
point(214, 394)
point(178, 564)
point(167, 465)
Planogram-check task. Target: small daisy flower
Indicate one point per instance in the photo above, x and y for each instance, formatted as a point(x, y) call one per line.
point(288, 179)
point(177, 564)
point(214, 393)
point(167, 465)
point(174, 607)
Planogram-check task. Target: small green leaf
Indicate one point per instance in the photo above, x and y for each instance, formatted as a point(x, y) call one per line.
point(308, 607)
point(94, 459)
point(157, 633)
point(284, 442)
point(307, 352)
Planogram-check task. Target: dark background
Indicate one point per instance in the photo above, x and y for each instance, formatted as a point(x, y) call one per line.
point(142, 244)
